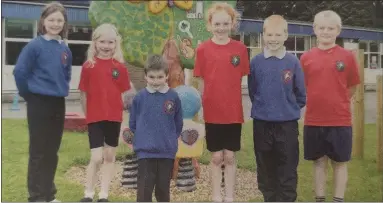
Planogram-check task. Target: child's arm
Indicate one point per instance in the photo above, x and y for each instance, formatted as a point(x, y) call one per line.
point(251, 80)
point(133, 114)
point(70, 60)
point(353, 76)
point(178, 117)
point(83, 85)
point(299, 85)
point(23, 68)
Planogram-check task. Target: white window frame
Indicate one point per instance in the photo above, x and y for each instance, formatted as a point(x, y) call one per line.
point(368, 52)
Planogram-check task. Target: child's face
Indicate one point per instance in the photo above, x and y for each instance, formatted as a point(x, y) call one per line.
point(326, 31)
point(106, 45)
point(221, 25)
point(274, 37)
point(54, 23)
point(156, 79)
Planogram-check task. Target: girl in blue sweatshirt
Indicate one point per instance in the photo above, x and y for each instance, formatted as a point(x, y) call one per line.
point(42, 74)
point(156, 121)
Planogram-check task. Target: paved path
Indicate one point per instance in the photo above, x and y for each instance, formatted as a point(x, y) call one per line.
point(74, 106)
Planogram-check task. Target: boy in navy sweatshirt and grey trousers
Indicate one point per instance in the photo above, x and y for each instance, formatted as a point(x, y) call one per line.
point(156, 121)
point(277, 92)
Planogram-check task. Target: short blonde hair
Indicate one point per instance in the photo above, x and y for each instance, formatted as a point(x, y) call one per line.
point(275, 21)
point(328, 15)
point(103, 29)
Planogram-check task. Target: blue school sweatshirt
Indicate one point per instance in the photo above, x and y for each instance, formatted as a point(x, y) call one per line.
point(276, 88)
point(156, 121)
point(44, 67)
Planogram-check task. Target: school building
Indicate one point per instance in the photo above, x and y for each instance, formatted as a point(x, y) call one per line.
point(19, 26)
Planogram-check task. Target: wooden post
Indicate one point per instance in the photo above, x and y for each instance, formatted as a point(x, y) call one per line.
point(358, 118)
point(379, 121)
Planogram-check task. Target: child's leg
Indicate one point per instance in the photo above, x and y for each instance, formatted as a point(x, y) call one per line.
point(214, 145)
point(216, 175)
point(163, 177)
point(265, 160)
point(315, 149)
point(107, 170)
point(146, 179)
point(91, 171)
point(45, 117)
point(111, 133)
point(341, 141)
point(231, 139)
point(286, 149)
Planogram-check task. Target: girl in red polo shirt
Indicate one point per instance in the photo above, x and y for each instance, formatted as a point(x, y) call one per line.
point(103, 80)
point(221, 62)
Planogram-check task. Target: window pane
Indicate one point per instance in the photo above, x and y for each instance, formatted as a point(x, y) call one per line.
point(374, 47)
point(300, 43)
point(15, 28)
point(290, 43)
point(78, 53)
point(12, 51)
point(363, 45)
point(299, 55)
point(381, 61)
point(365, 60)
point(339, 41)
point(80, 32)
point(251, 40)
point(374, 61)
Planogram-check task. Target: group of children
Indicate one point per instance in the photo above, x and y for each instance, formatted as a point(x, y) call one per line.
point(280, 85)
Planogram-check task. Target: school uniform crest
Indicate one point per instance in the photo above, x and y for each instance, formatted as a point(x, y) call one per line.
point(340, 66)
point(235, 60)
point(169, 106)
point(64, 58)
point(189, 137)
point(287, 76)
point(115, 73)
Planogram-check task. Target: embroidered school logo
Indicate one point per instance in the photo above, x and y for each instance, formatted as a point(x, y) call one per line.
point(189, 136)
point(64, 58)
point(340, 66)
point(115, 73)
point(235, 60)
point(287, 76)
point(169, 106)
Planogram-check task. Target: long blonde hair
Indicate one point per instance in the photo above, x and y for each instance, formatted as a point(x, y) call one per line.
point(102, 29)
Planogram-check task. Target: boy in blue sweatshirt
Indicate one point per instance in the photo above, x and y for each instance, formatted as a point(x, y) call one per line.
point(277, 92)
point(156, 121)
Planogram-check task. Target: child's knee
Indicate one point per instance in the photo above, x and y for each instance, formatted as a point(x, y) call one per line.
point(96, 156)
point(229, 157)
point(217, 158)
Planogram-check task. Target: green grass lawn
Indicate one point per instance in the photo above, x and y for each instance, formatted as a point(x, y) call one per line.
point(365, 183)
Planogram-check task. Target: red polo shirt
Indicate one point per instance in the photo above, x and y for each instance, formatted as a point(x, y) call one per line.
point(329, 74)
point(103, 84)
point(222, 67)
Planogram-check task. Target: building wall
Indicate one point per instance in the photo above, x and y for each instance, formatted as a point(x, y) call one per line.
point(18, 32)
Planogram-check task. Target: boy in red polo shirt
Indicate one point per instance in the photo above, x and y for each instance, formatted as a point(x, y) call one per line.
point(220, 64)
point(331, 76)
point(103, 80)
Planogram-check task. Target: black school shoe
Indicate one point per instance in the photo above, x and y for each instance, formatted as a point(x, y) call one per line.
point(86, 199)
point(102, 200)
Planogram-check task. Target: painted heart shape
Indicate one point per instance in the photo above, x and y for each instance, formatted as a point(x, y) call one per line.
point(189, 136)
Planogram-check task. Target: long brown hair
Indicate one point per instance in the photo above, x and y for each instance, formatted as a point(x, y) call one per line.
point(48, 10)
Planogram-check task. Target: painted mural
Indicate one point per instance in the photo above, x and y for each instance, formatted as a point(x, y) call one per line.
point(171, 28)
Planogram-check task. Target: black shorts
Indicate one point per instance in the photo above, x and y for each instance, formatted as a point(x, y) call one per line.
point(334, 142)
point(223, 136)
point(104, 132)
